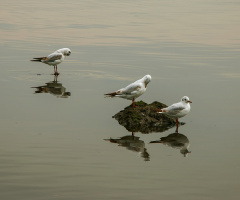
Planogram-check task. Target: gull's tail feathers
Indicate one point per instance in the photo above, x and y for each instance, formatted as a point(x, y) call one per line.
point(38, 59)
point(113, 94)
point(158, 110)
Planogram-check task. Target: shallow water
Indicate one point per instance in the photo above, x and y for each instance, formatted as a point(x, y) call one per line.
point(54, 143)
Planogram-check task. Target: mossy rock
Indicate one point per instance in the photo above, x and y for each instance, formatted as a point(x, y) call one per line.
point(144, 118)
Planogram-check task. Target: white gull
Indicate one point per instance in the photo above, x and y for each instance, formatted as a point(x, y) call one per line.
point(54, 58)
point(132, 91)
point(177, 110)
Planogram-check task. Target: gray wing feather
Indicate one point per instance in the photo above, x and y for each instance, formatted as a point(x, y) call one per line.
point(175, 108)
point(54, 56)
point(131, 89)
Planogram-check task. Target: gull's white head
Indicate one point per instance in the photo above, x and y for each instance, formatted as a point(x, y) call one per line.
point(185, 99)
point(64, 51)
point(147, 79)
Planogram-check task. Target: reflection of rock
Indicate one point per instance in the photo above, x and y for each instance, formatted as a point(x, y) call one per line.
point(53, 87)
point(132, 143)
point(144, 118)
point(177, 141)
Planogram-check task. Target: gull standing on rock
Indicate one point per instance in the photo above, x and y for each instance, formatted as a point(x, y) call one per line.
point(132, 91)
point(54, 58)
point(177, 110)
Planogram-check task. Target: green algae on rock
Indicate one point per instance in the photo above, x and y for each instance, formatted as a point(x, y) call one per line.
point(144, 118)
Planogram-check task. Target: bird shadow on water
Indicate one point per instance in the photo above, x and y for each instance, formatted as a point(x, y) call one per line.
point(132, 143)
point(177, 141)
point(53, 87)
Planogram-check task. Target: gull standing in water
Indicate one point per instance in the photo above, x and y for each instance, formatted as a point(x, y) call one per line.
point(54, 58)
point(177, 110)
point(132, 91)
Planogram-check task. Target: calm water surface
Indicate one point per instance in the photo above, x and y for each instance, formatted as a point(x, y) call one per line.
point(54, 138)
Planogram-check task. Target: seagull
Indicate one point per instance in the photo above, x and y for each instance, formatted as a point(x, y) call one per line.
point(177, 110)
point(54, 58)
point(132, 91)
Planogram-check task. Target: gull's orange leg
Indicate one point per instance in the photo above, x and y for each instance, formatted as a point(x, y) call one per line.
point(133, 103)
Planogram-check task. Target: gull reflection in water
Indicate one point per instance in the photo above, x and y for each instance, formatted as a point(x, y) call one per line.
point(132, 143)
point(53, 87)
point(176, 141)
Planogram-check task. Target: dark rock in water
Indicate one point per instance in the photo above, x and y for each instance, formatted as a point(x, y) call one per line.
point(144, 118)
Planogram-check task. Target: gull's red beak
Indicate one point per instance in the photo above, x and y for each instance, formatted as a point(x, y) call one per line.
point(189, 102)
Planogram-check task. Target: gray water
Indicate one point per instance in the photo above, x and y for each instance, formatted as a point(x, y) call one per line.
point(54, 143)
